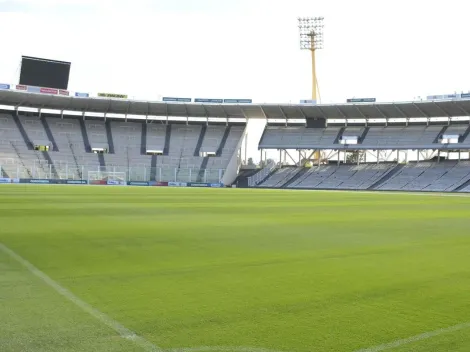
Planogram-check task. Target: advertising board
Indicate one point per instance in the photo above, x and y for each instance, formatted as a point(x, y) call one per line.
point(112, 95)
point(31, 89)
point(49, 91)
point(177, 184)
point(204, 100)
point(361, 100)
point(137, 183)
point(238, 101)
point(178, 100)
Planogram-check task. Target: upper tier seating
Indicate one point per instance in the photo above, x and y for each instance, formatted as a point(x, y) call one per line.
point(392, 137)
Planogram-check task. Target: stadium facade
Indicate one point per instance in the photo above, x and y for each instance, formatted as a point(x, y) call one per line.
point(53, 135)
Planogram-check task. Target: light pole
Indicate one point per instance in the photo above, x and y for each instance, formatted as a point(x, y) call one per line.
point(311, 38)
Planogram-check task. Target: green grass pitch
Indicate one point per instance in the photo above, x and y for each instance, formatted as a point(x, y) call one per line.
point(267, 270)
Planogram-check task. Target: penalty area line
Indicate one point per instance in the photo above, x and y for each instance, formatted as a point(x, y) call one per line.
point(416, 338)
point(123, 332)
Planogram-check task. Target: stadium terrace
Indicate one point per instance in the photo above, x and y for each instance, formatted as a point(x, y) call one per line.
point(413, 146)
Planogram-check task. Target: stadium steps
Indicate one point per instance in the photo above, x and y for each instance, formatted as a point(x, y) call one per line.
point(153, 168)
point(462, 186)
point(299, 174)
point(26, 139)
point(101, 161)
point(364, 134)
point(443, 131)
point(49, 134)
point(166, 149)
point(109, 135)
point(417, 177)
point(75, 159)
point(143, 139)
point(223, 141)
point(203, 168)
point(387, 176)
point(21, 159)
point(86, 140)
point(200, 140)
point(340, 134)
point(267, 176)
point(349, 178)
point(51, 163)
point(465, 135)
point(3, 173)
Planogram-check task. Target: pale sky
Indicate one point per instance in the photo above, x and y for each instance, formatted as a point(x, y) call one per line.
point(391, 50)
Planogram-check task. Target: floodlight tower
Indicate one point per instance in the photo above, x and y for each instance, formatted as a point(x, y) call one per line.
point(311, 38)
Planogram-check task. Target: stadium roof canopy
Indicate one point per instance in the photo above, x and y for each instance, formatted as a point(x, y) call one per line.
point(420, 109)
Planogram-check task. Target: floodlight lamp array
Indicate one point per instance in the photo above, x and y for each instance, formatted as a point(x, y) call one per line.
point(311, 33)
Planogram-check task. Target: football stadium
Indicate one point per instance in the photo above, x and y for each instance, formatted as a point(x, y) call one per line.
point(144, 225)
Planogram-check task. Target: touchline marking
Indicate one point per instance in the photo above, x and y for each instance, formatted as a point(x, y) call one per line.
point(221, 349)
point(416, 338)
point(124, 332)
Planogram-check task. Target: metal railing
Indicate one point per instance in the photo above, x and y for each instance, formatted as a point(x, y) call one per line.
point(260, 176)
point(137, 173)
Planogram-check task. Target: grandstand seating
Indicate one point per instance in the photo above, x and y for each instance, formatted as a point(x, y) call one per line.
point(280, 178)
point(429, 176)
point(344, 177)
point(392, 137)
point(423, 176)
point(298, 137)
point(71, 139)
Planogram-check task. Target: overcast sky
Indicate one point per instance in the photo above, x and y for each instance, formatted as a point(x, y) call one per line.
point(391, 50)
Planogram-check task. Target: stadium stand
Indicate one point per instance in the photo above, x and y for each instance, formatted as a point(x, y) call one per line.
point(345, 177)
point(404, 137)
point(183, 150)
point(202, 142)
point(445, 176)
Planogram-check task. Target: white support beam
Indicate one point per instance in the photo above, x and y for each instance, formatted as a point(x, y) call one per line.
point(400, 111)
point(264, 113)
point(285, 150)
point(226, 114)
point(441, 109)
point(421, 111)
point(461, 108)
point(207, 115)
point(187, 114)
point(341, 113)
point(380, 111)
point(283, 114)
point(360, 112)
point(166, 112)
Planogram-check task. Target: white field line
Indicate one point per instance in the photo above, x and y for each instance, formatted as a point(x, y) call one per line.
point(221, 349)
point(124, 332)
point(127, 334)
point(416, 338)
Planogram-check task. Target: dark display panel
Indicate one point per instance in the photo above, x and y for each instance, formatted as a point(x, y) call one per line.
point(44, 73)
